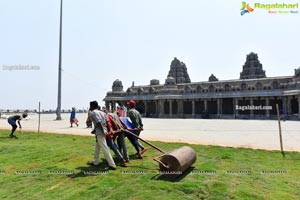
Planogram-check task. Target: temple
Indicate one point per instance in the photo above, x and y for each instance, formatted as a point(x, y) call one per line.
point(178, 97)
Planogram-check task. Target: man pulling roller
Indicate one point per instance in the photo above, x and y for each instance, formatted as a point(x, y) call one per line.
point(137, 123)
point(100, 124)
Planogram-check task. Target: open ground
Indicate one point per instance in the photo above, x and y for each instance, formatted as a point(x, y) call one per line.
point(256, 134)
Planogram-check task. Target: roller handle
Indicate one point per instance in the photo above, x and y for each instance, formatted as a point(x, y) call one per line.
point(160, 162)
point(155, 147)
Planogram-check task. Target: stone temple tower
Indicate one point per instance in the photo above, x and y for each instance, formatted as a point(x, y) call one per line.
point(179, 72)
point(252, 68)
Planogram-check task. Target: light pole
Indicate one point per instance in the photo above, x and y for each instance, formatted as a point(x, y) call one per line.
point(58, 110)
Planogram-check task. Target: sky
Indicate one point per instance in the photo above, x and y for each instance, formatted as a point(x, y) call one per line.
point(133, 40)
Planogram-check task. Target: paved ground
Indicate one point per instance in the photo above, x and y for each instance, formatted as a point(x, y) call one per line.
point(258, 134)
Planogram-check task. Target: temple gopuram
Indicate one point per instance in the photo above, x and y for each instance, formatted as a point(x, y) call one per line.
point(178, 97)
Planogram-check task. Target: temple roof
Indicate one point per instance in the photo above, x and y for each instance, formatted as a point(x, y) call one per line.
point(179, 72)
point(252, 68)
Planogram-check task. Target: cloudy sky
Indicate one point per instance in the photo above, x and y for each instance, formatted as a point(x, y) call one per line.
point(133, 40)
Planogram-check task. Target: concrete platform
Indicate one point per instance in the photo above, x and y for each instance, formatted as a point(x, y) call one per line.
point(257, 134)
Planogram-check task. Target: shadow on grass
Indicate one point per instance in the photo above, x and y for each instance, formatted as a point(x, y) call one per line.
point(134, 157)
point(89, 170)
point(8, 138)
point(172, 177)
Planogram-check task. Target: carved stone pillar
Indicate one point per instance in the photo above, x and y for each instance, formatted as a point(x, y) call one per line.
point(251, 111)
point(284, 105)
point(235, 110)
point(170, 108)
point(161, 108)
point(193, 108)
point(205, 105)
point(219, 102)
point(110, 106)
point(267, 110)
point(180, 108)
point(146, 108)
point(107, 105)
point(157, 107)
point(289, 105)
point(114, 106)
point(299, 107)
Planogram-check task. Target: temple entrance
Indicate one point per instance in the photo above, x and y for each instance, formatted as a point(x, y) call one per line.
point(174, 107)
point(166, 107)
point(140, 106)
point(273, 103)
point(259, 102)
point(199, 107)
point(227, 107)
point(187, 107)
point(212, 107)
point(242, 103)
point(294, 105)
point(151, 109)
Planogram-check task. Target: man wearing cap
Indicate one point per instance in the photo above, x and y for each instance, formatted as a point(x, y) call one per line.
point(100, 125)
point(137, 123)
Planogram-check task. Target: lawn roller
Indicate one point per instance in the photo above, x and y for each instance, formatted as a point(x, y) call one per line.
point(172, 163)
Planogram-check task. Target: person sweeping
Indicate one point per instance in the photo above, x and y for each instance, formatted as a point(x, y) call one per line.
point(13, 120)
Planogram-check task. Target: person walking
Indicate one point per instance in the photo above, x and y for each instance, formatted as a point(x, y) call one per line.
point(73, 118)
point(100, 130)
point(282, 114)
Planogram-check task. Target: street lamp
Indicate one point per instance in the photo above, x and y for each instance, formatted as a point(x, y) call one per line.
point(58, 110)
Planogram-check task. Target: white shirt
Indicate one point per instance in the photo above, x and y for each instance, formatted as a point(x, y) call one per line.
point(99, 117)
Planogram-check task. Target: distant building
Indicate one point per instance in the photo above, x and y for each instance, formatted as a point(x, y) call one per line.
point(178, 97)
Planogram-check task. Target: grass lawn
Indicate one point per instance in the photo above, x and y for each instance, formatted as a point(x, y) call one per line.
point(237, 173)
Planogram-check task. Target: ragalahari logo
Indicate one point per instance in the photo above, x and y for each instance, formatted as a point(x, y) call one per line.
point(246, 8)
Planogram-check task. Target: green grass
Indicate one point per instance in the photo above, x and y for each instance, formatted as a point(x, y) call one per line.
point(50, 152)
